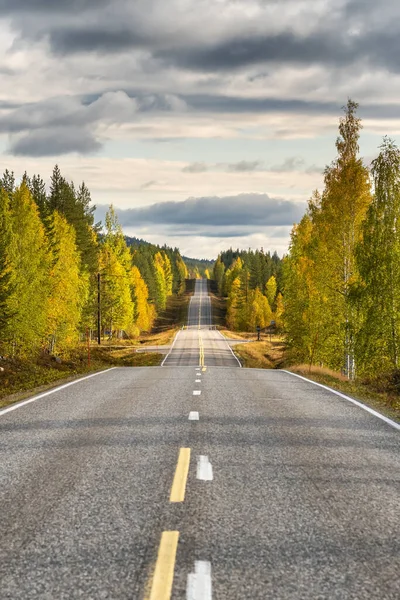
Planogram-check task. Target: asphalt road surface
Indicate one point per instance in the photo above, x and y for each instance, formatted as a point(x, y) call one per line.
point(275, 488)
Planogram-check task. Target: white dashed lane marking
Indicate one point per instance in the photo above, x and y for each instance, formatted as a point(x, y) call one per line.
point(193, 415)
point(196, 392)
point(204, 469)
point(199, 582)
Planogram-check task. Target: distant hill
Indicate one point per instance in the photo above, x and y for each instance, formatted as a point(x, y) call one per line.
point(201, 264)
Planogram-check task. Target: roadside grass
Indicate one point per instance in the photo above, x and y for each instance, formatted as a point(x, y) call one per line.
point(21, 379)
point(159, 338)
point(264, 354)
point(218, 306)
point(239, 335)
point(366, 391)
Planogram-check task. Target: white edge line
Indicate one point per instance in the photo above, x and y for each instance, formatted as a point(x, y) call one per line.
point(233, 354)
point(172, 347)
point(53, 391)
point(359, 404)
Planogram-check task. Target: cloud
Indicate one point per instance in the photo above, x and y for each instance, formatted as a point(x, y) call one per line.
point(289, 165)
point(54, 143)
point(215, 213)
point(244, 166)
point(215, 37)
point(294, 163)
point(70, 112)
point(148, 184)
point(225, 103)
point(16, 6)
point(197, 167)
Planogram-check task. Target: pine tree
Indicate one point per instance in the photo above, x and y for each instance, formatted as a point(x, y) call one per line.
point(55, 201)
point(38, 190)
point(7, 183)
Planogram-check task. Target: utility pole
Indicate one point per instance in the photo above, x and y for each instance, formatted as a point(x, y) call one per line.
point(98, 309)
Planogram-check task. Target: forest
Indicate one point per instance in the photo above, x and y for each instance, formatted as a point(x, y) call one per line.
point(341, 280)
point(54, 260)
point(336, 294)
point(252, 283)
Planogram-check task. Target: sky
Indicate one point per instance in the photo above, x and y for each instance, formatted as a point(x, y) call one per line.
point(206, 123)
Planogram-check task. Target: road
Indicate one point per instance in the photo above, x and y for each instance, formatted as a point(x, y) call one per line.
point(199, 344)
point(279, 490)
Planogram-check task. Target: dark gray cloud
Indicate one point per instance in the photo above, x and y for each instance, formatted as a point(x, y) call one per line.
point(222, 103)
point(54, 143)
point(246, 50)
point(90, 38)
point(356, 31)
point(243, 210)
point(111, 106)
point(31, 6)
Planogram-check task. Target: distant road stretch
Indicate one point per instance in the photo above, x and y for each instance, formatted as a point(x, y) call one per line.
point(198, 344)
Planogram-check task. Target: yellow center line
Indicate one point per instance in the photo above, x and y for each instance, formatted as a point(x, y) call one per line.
point(164, 572)
point(179, 484)
point(201, 351)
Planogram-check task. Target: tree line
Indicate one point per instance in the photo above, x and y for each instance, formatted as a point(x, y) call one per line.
point(251, 281)
point(53, 256)
point(341, 280)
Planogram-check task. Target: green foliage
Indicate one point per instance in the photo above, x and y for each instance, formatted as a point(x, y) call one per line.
point(50, 254)
point(377, 298)
point(28, 261)
point(250, 280)
point(270, 289)
point(341, 295)
point(68, 289)
point(5, 263)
